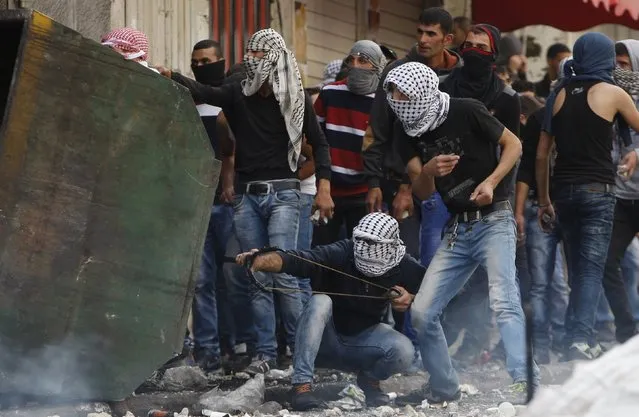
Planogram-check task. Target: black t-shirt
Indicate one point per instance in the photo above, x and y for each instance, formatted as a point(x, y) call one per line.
point(469, 131)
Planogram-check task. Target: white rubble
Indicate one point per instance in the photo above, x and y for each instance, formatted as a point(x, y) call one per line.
point(507, 410)
point(246, 399)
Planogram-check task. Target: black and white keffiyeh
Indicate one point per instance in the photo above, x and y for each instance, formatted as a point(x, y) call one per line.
point(377, 246)
point(279, 68)
point(426, 107)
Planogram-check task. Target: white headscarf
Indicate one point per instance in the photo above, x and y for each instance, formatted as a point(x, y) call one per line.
point(279, 68)
point(377, 246)
point(426, 107)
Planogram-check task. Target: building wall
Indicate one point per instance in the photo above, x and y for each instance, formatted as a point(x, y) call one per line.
point(172, 26)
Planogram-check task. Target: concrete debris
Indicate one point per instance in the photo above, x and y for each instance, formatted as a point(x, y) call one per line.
point(474, 412)
point(183, 378)
point(521, 409)
point(492, 411)
point(183, 413)
point(469, 389)
point(129, 414)
point(453, 407)
point(409, 411)
point(278, 374)
point(507, 410)
point(424, 405)
point(242, 375)
point(270, 407)
point(209, 413)
point(384, 411)
point(334, 412)
point(352, 398)
point(102, 414)
point(246, 399)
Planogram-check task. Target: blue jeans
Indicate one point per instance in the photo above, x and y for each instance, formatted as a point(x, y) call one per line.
point(490, 243)
point(549, 289)
point(237, 283)
point(630, 271)
point(206, 303)
point(379, 351)
point(304, 239)
point(270, 220)
point(585, 216)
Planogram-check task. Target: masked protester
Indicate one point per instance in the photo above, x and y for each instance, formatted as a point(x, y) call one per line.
point(132, 44)
point(451, 145)
point(342, 109)
point(269, 114)
point(343, 330)
point(579, 118)
point(478, 79)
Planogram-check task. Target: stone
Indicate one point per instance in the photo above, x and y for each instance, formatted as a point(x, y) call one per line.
point(246, 399)
point(279, 374)
point(183, 413)
point(469, 389)
point(452, 407)
point(507, 410)
point(409, 411)
point(129, 414)
point(474, 412)
point(492, 411)
point(333, 412)
point(424, 405)
point(103, 414)
point(384, 411)
point(270, 407)
point(184, 378)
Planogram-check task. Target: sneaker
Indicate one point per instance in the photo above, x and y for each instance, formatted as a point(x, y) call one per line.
point(260, 365)
point(375, 397)
point(520, 387)
point(303, 398)
point(579, 352)
point(435, 398)
point(208, 362)
point(542, 356)
point(597, 351)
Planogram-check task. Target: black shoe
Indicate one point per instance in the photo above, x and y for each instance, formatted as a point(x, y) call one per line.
point(207, 361)
point(436, 398)
point(260, 365)
point(542, 356)
point(375, 397)
point(303, 398)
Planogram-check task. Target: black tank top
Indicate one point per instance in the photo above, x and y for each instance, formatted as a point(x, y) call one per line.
point(584, 140)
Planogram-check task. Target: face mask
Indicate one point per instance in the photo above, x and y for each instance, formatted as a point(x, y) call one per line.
point(477, 64)
point(210, 74)
point(362, 81)
point(251, 65)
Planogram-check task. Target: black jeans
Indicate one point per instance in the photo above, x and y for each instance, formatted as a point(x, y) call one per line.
point(348, 212)
point(625, 227)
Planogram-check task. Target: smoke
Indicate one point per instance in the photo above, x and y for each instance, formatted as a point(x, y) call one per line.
point(66, 370)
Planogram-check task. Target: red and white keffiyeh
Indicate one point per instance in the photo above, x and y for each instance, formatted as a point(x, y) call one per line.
point(131, 43)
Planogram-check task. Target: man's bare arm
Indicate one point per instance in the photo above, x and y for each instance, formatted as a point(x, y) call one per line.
point(510, 154)
point(423, 184)
point(542, 168)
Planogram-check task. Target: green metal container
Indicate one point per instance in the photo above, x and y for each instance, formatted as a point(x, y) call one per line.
point(106, 183)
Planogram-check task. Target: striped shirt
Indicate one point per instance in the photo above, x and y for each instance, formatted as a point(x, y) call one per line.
point(343, 116)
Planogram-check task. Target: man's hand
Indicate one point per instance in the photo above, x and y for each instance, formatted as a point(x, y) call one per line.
point(243, 257)
point(324, 201)
point(441, 165)
point(164, 71)
point(403, 302)
point(403, 206)
point(374, 200)
point(629, 162)
point(546, 217)
point(521, 228)
point(483, 194)
point(228, 194)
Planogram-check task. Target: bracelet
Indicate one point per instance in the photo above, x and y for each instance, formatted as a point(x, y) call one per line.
point(544, 205)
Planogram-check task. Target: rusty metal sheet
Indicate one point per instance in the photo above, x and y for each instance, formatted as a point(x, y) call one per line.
point(106, 182)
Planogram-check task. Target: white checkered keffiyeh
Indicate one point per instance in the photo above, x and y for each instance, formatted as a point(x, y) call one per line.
point(377, 246)
point(426, 107)
point(278, 67)
point(131, 43)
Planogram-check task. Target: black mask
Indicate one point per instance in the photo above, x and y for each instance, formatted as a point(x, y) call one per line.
point(210, 74)
point(477, 64)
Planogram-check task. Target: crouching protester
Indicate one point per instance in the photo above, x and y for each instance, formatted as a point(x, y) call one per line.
point(342, 328)
point(450, 146)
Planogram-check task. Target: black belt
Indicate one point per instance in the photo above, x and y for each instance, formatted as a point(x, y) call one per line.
point(267, 187)
point(475, 215)
point(596, 187)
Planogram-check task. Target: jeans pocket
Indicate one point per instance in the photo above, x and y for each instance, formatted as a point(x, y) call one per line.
point(238, 199)
point(288, 197)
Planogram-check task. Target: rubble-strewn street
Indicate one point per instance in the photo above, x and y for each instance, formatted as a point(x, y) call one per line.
point(485, 388)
